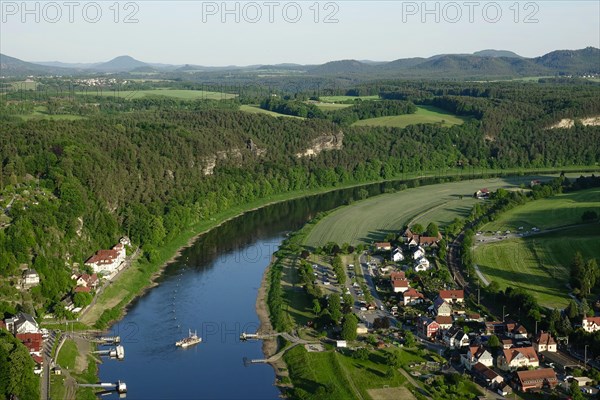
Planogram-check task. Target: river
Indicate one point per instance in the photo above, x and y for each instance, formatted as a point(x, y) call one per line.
point(212, 288)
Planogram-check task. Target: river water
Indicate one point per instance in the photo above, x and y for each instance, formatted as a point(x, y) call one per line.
point(212, 288)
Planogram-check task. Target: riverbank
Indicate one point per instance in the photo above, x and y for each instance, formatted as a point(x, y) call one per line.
point(142, 275)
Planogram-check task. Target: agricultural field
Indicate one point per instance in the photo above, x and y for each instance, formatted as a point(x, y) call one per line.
point(423, 115)
point(372, 219)
point(331, 106)
point(337, 99)
point(41, 112)
point(560, 210)
point(539, 263)
point(24, 85)
point(254, 109)
point(176, 93)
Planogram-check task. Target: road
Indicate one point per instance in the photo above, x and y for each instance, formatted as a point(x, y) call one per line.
point(47, 356)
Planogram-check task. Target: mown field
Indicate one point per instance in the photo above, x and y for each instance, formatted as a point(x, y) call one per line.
point(372, 219)
point(539, 263)
point(41, 112)
point(564, 209)
point(423, 115)
point(257, 110)
point(337, 99)
point(332, 106)
point(176, 93)
point(333, 375)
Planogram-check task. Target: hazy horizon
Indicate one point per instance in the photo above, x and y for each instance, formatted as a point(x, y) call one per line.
point(249, 33)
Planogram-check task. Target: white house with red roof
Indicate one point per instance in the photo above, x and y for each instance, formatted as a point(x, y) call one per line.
point(452, 296)
point(591, 324)
point(107, 261)
point(412, 297)
point(518, 357)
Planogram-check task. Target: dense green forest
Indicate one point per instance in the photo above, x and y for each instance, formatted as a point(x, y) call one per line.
point(153, 166)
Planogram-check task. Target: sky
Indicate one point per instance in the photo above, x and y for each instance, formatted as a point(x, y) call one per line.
point(219, 33)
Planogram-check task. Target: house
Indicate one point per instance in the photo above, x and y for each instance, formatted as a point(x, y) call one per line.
point(591, 324)
point(456, 338)
point(440, 307)
point(535, 182)
point(453, 296)
point(341, 343)
point(494, 328)
point(536, 379)
point(477, 354)
point(397, 255)
point(86, 280)
point(399, 282)
point(521, 357)
point(33, 341)
point(504, 389)
point(427, 327)
point(412, 297)
point(125, 241)
point(82, 289)
point(107, 261)
point(361, 329)
point(507, 344)
point(487, 375)
point(22, 323)
point(412, 239)
point(473, 317)
point(383, 246)
point(418, 253)
point(544, 342)
point(30, 278)
point(483, 193)
point(422, 264)
point(515, 330)
point(444, 321)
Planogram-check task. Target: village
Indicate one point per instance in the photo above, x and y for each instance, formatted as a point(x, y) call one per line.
point(43, 344)
point(499, 354)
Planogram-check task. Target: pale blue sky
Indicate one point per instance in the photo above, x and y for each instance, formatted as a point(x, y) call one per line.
point(179, 32)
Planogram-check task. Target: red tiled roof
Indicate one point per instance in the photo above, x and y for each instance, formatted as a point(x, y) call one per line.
point(33, 341)
point(528, 378)
point(383, 244)
point(593, 320)
point(444, 319)
point(400, 283)
point(544, 338)
point(452, 294)
point(412, 292)
point(82, 289)
point(38, 359)
point(528, 352)
point(103, 257)
point(397, 275)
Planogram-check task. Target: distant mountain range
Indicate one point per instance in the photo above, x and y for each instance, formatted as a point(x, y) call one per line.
point(484, 63)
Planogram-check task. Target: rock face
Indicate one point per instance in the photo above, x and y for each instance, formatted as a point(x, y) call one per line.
point(323, 143)
point(569, 122)
point(234, 154)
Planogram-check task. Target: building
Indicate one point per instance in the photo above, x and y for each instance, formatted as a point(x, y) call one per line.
point(456, 338)
point(536, 379)
point(399, 282)
point(444, 321)
point(427, 327)
point(483, 193)
point(107, 261)
point(477, 354)
point(515, 330)
point(30, 278)
point(412, 239)
point(544, 342)
point(422, 264)
point(591, 324)
point(22, 323)
point(440, 307)
point(418, 253)
point(383, 246)
point(397, 255)
point(33, 341)
point(487, 375)
point(452, 296)
point(518, 357)
point(412, 297)
point(361, 329)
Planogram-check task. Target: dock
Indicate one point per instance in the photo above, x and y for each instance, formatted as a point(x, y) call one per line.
point(115, 352)
point(119, 387)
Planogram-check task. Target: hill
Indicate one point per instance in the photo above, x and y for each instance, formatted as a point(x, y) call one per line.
point(10, 66)
point(120, 64)
point(341, 67)
point(582, 61)
point(496, 53)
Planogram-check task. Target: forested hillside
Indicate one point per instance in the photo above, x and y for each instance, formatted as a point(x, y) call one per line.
point(150, 172)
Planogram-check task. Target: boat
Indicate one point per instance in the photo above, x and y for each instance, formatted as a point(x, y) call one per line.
point(191, 340)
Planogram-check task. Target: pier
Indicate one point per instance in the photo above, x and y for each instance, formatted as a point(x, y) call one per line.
point(115, 352)
point(119, 387)
point(107, 340)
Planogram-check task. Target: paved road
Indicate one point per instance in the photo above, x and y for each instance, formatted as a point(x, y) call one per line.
point(47, 356)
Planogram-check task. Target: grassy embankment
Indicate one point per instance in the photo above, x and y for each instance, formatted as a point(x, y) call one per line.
point(423, 115)
point(540, 263)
